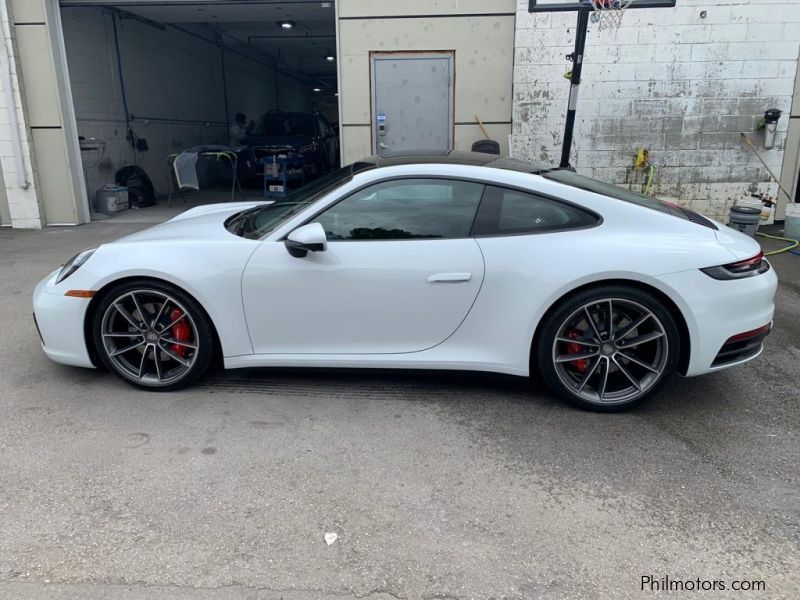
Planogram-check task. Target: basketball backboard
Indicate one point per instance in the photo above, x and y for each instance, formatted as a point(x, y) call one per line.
point(576, 5)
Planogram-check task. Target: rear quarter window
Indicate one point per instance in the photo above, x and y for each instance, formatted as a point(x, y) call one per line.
point(508, 212)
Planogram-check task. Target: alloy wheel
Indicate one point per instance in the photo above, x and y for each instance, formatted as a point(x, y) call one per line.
point(149, 337)
point(610, 351)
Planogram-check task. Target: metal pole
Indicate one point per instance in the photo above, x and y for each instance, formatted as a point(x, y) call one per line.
point(575, 81)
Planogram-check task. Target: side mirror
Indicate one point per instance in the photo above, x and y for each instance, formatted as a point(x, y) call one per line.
point(305, 239)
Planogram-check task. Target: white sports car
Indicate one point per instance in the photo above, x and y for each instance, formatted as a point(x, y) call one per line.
point(465, 261)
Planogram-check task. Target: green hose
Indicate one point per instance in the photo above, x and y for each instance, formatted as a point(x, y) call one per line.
point(790, 248)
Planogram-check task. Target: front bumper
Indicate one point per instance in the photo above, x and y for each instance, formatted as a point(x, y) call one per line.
point(60, 322)
point(717, 310)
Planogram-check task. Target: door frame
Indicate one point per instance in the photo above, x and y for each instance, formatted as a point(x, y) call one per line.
point(790, 169)
point(5, 214)
point(69, 123)
point(377, 55)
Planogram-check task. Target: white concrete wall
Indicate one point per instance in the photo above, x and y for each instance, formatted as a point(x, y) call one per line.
point(170, 76)
point(23, 207)
point(481, 34)
point(669, 81)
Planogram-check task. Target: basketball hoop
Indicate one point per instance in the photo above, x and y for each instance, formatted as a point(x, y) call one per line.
point(608, 13)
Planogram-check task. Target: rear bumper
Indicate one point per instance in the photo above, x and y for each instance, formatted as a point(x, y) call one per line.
point(717, 310)
point(741, 348)
point(59, 320)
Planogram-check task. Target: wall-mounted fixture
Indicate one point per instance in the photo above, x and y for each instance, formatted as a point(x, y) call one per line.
point(771, 118)
point(286, 24)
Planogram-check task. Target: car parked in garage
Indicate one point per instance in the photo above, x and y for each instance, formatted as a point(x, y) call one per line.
point(307, 134)
point(465, 261)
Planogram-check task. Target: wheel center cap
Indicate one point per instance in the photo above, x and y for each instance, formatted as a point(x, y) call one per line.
point(607, 348)
point(151, 337)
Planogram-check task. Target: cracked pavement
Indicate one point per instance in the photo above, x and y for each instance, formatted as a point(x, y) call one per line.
point(438, 485)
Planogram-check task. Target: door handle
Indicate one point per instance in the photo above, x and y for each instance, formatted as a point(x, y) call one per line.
point(449, 277)
point(383, 146)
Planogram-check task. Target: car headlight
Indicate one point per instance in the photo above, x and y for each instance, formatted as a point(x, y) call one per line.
point(74, 263)
point(307, 148)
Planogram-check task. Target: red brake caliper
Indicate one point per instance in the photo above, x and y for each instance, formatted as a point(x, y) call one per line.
point(576, 348)
point(180, 331)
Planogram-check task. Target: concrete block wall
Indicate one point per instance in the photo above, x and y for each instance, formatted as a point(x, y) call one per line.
point(172, 78)
point(21, 205)
point(673, 82)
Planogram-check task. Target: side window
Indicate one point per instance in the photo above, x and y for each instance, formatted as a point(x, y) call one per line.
point(505, 212)
point(405, 209)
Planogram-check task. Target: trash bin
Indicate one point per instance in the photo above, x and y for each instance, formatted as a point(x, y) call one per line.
point(745, 219)
point(791, 227)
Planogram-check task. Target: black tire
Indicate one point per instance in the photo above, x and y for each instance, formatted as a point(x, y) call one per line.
point(198, 322)
point(584, 382)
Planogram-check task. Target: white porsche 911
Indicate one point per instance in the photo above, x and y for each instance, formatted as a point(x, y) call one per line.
point(465, 261)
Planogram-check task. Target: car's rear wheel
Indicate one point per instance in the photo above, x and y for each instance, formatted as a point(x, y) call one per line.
point(608, 348)
point(152, 335)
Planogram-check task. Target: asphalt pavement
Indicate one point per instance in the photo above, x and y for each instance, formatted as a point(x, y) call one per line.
point(438, 485)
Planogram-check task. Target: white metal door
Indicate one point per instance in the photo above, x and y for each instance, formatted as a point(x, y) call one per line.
point(412, 102)
point(360, 297)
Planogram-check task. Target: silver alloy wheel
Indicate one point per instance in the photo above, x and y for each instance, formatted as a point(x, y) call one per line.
point(138, 331)
point(610, 351)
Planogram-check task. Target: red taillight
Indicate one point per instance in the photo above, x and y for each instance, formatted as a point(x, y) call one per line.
point(743, 268)
point(746, 265)
point(746, 335)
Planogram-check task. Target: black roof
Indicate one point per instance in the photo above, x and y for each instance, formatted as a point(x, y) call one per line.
point(457, 157)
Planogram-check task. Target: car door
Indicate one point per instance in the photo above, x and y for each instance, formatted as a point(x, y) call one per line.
point(400, 273)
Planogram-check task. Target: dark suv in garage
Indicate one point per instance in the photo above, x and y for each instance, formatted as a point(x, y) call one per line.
point(307, 134)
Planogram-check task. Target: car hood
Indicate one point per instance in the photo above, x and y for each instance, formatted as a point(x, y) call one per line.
point(199, 223)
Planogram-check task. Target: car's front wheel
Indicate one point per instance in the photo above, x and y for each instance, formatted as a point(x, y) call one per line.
point(152, 335)
point(608, 348)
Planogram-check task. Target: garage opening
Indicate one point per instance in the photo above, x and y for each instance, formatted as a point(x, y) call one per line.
point(184, 103)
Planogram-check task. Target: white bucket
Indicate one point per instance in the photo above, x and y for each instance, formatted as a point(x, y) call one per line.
point(750, 202)
point(791, 227)
point(767, 213)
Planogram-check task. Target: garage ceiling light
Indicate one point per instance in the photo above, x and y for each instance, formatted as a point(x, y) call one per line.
point(317, 89)
point(285, 24)
point(330, 56)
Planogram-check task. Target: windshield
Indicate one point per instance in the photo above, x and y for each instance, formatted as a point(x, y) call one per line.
point(256, 223)
point(277, 125)
point(613, 191)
